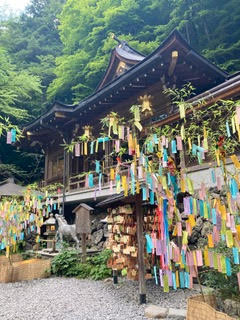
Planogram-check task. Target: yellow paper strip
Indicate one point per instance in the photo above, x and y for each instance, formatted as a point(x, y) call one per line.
point(206, 259)
point(235, 161)
point(182, 110)
point(210, 241)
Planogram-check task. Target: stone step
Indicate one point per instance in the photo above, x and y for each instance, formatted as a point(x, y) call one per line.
point(157, 312)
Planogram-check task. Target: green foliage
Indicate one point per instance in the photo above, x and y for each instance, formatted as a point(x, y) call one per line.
point(17, 89)
point(50, 189)
point(33, 43)
point(63, 263)
point(67, 263)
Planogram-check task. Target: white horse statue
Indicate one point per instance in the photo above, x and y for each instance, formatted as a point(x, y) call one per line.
point(66, 230)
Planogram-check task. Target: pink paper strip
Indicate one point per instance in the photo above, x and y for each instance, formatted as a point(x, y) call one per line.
point(158, 248)
point(210, 256)
point(9, 137)
point(188, 228)
point(111, 186)
point(238, 276)
point(238, 114)
point(117, 145)
point(233, 226)
point(203, 190)
point(77, 150)
point(179, 229)
point(176, 254)
point(161, 277)
point(163, 141)
point(128, 131)
point(228, 222)
point(154, 240)
point(191, 282)
point(179, 143)
point(186, 203)
point(170, 278)
point(219, 184)
point(166, 142)
point(199, 258)
point(216, 237)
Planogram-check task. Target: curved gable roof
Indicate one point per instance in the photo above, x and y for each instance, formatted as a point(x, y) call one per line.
point(122, 56)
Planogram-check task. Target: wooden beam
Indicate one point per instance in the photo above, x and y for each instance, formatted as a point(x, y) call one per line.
point(60, 114)
point(140, 239)
point(173, 63)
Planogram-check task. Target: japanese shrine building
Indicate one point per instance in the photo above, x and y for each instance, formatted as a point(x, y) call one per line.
point(129, 75)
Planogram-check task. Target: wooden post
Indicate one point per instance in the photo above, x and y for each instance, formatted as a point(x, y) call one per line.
point(140, 239)
point(84, 247)
point(64, 183)
point(115, 277)
point(46, 170)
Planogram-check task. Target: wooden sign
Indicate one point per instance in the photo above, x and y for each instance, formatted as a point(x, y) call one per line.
point(83, 225)
point(82, 220)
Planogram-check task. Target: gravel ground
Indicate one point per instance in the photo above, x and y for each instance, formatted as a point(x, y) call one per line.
point(73, 299)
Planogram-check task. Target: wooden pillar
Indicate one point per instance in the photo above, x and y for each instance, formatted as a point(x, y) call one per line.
point(64, 182)
point(84, 247)
point(46, 167)
point(68, 167)
point(140, 239)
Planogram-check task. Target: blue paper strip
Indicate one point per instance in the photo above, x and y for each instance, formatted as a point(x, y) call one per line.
point(187, 281)
point(155, 274)
point(235, 255)
point(13, 135)
point(182, 279)
point(214, 216)
point(151, 197)
point(228, 267)
point(183, 257)
point(90, 180)
point(91, 147)
point(144, 194)
point(97, 166)
point(228, 129)
point(213, 175)
point(174, 146)
point(149, 243)
point(165, 155)
point(201, 208)
point(174, 281)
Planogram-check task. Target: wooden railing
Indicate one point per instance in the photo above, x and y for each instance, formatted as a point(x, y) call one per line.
point(79, 183)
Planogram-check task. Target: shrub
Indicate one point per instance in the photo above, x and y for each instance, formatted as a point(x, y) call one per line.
point(68, 264)
point(64, 262)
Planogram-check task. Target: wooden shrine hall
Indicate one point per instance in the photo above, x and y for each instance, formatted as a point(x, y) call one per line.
point(129, 76)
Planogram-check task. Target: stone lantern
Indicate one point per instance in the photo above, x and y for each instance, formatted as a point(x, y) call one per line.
point(50, 232)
